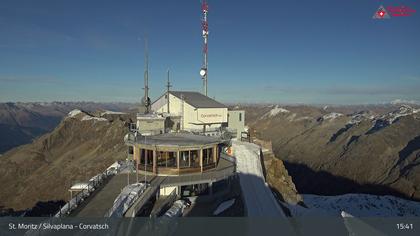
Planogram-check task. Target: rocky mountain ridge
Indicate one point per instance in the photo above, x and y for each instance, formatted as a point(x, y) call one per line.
point(82, 145)
point(20, 122)
point(331, 152)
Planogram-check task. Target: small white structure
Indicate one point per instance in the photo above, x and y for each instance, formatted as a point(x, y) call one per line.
point(236, 121)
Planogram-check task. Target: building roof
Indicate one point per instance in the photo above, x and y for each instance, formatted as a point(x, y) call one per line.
point(178, 140)
point(197, 99)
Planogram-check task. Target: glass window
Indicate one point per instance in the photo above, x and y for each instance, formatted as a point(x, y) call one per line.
point(195, 158)
point(184, 159)
point(207, 156)
point(142, 158)
point(149, 156)
point(172, 159)
point(166, 159)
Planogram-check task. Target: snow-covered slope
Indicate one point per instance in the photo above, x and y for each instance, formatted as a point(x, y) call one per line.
point(391, 117)
point(86, 117)
point(74, 112)
point(358, 205)
point(358, 117)
point(275, 111)
point(258, 198)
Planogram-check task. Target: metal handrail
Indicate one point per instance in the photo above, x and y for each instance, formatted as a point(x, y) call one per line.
point(93, 184)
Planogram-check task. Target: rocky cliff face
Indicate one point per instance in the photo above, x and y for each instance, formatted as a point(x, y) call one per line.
point(81, 146)
point(335, 151)
point(276, 175)
point(280, 181)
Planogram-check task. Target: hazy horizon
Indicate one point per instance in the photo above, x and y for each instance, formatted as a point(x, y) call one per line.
point(394, 102)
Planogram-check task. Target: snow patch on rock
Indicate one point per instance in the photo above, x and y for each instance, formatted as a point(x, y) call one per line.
point(74, 113)
point(390, 118)
point(331, 116)
point(360, 116)
point(87, 117)
point(404, 110)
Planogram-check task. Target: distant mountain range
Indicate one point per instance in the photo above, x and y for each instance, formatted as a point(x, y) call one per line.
point(20, 122)
point(347, 149)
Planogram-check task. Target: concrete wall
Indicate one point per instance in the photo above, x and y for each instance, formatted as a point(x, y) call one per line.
point(236, 120)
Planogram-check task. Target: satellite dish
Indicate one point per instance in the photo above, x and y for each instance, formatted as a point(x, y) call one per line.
point(203, 72)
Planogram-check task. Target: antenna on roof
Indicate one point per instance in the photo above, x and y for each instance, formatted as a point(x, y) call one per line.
point(146, 99)
point(168, 86)
point(205, 33)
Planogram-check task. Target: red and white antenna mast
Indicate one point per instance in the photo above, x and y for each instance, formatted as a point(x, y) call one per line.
point(205, 33)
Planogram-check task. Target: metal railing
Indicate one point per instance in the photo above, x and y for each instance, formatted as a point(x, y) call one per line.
point(93, 184)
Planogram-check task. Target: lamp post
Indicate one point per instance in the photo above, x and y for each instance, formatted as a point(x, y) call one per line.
point(137, 169)
point(145, 170)
point(135, 156)
point(128, 172)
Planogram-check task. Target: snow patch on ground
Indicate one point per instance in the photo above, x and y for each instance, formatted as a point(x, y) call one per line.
point(331, 116)
point(357, 205)
point(74, 112)
point(224, 206)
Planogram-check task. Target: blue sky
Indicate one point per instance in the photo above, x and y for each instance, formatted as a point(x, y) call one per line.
point(259, 51)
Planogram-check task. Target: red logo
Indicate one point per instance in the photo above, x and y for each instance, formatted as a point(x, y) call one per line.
point(385, 13)
point(381, 13)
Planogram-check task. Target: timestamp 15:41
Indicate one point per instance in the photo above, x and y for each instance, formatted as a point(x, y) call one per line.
point(405, 226)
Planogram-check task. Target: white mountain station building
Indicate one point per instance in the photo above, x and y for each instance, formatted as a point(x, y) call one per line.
point(193, 111)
